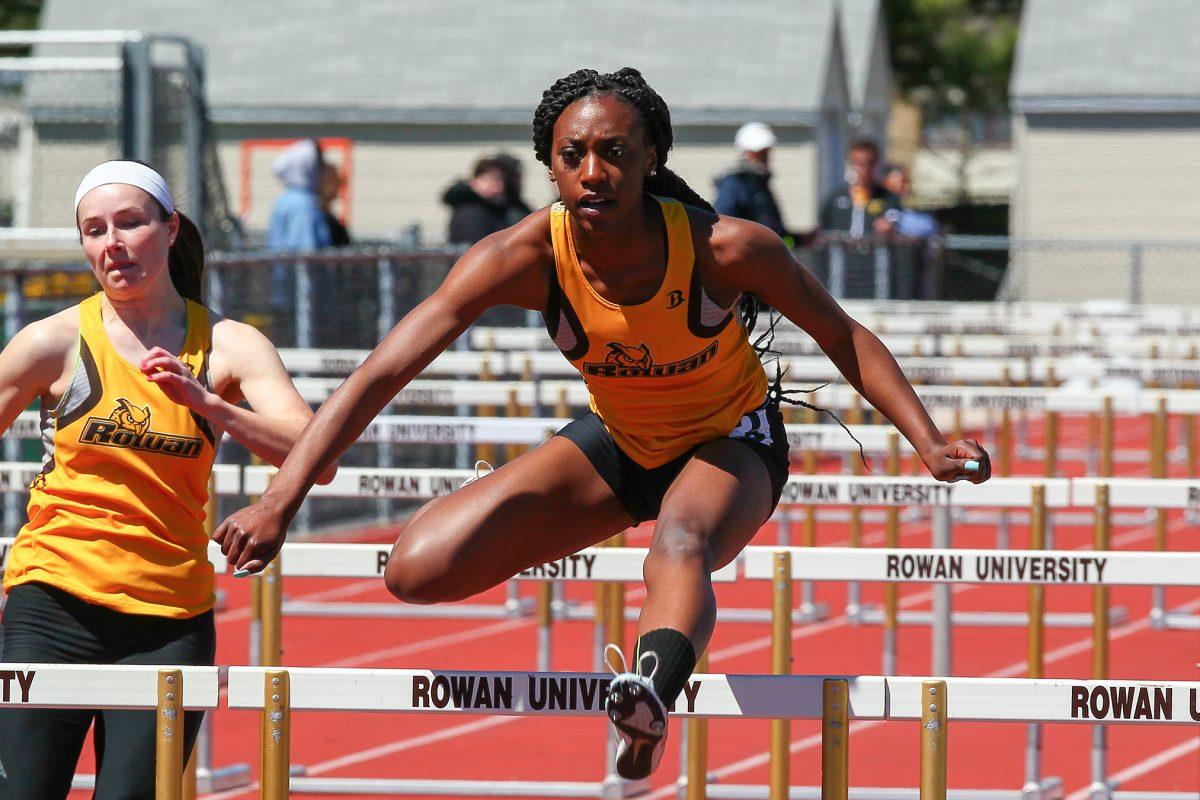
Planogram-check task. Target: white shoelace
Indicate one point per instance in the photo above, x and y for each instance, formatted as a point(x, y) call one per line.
point(624, 665)
point(482, 470)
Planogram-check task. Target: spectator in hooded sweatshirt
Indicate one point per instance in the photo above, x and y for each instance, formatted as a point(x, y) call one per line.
point(297, 221)
point(482, 205)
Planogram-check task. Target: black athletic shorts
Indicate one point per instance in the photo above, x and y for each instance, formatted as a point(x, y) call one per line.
point(39, 747)
point(641, 490)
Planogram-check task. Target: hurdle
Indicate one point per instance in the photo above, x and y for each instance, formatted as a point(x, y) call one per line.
point(166, 690)
point(935, 703)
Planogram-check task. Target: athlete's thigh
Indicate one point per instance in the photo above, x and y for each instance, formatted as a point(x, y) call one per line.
point(722, 496)
point(125, 740)
point(40, 747)
point(543, 505)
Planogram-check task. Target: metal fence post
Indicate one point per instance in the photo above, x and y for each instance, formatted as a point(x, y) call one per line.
point(304, 341)
point(883, 270)
point(387, 318)
point(837, 269)
point(14, 312)
point(1135, 273)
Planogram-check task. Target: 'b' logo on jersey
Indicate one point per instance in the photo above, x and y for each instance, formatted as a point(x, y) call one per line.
point(128, 426)
point(674, 298)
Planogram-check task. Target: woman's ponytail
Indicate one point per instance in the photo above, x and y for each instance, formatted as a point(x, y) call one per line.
point(185, 259)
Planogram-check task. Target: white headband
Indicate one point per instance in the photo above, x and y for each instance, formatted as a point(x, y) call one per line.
point(127, 172)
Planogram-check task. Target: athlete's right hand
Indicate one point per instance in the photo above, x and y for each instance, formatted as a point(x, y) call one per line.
point(250, 538)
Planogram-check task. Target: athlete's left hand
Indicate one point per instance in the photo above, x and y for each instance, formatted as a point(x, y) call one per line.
point(175, 379)
point(953, 462)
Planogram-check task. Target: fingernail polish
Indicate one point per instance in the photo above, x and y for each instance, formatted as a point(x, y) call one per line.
point(971, 466)
point(241, 573)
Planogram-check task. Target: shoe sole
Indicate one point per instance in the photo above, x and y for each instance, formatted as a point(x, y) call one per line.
point(637, 760)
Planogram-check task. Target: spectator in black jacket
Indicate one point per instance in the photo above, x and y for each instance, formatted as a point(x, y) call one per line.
point(860, 208)
point(744, 190)
point(484, 204)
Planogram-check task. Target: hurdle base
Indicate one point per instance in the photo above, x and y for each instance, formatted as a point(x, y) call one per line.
point(1051, 789)
point(1174, 620)
point(218, 780)
point(807, 612)
point(300, 608)
point(452, 788)
point(873, 615)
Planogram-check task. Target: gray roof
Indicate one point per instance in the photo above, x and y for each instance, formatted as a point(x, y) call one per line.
point(481, 60)
point(860, 21)
point(1108, 55)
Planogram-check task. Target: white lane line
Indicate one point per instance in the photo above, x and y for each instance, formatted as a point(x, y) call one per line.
point(430, 644)
point(1143, 767)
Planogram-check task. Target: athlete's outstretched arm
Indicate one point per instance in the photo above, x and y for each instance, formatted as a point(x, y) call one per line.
point(505, 268)
point(751, 258)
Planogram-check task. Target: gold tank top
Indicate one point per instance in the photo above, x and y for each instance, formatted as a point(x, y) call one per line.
point(663, 375)
point(116, 516)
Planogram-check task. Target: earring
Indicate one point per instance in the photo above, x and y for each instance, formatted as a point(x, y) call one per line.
point(653, 172)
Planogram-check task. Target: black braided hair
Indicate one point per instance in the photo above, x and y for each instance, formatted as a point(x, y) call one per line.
point(628, 84)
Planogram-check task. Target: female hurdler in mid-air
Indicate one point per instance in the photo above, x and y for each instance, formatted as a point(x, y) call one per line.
point(640, 284)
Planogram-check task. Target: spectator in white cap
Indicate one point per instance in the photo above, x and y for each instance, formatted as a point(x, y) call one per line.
point(744, 190)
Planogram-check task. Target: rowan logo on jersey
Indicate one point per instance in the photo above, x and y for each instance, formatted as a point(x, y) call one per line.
point(626, 361)
point(129, 426)
point(130, 417)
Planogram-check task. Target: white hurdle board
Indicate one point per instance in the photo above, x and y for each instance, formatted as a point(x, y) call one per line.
point(922, 491)
point(397, 483)
point(1139, 492)
point(1024, 567)
point(316, 560)
point(545, 693)
point(1053, 700)
point(99, 686)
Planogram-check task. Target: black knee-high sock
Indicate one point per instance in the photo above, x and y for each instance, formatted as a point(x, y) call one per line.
point(676, 660)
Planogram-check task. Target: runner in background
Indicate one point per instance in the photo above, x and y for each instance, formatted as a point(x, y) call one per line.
point(137, 385)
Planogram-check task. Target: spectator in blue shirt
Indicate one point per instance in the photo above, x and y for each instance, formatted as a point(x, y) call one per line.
point(297, 220)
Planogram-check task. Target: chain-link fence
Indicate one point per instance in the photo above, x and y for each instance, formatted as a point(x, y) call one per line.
point(83, 97)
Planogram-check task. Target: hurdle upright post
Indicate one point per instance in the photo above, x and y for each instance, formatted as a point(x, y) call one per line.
point(1004, 446)
point(616, 604)
point(168, 759)
point(891, 590)
point(1106, 437)
point(781, 664)
point(1099, 788)
point(808, 595)
point(276, 727)
point(933, 740)
point(835, 739)
point(696, 731)
point(271, 600)
point(942, 628)
point(1158, 469)
point(854, 416)
point(1036, 643)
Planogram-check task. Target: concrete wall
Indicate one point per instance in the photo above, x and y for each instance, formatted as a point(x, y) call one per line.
point(1107, 177)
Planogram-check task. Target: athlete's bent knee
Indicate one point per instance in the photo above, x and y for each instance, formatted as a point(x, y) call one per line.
point(676, 547)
